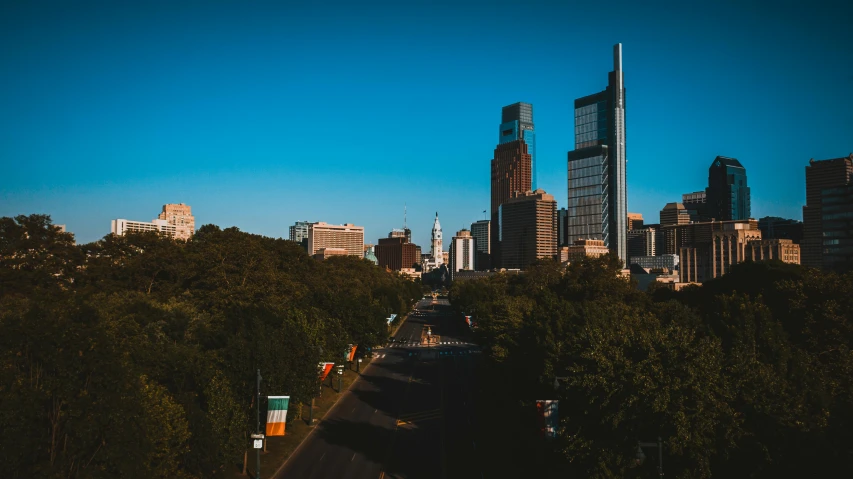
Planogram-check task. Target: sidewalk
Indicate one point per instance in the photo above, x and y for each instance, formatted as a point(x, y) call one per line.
point(279, 448)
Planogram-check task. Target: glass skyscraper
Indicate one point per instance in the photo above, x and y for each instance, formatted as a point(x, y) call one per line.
point(517, 124)
point(598, 195)
point(727, 196)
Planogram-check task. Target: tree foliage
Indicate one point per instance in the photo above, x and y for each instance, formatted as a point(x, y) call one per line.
point(135, 356)
point(749, 375)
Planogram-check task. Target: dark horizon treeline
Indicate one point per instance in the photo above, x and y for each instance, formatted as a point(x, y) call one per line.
point(749, 375)
point(135, 356)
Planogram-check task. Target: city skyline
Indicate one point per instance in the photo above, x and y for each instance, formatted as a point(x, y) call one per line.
point(127, 111)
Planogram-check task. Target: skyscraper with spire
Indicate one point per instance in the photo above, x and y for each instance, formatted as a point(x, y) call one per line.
point(436, 245)
point(598, 194)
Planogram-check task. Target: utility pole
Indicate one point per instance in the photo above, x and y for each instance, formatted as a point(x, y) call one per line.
point(258, 429)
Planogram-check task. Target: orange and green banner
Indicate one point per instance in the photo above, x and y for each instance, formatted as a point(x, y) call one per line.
point(325, 368)
point(277, 415)
point(352, 353)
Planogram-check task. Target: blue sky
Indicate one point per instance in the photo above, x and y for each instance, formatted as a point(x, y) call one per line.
point(261, 114)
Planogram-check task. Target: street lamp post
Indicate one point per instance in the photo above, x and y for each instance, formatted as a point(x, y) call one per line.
point(640, 457)
point(258, 429)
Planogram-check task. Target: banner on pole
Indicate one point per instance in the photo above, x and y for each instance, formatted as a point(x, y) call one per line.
point(547, 410)
point(468, 320)
point(276, 414)
point(325, 368)
point(352, 352)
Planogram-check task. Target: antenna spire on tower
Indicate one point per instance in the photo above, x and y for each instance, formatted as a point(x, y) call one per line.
point(404, 215)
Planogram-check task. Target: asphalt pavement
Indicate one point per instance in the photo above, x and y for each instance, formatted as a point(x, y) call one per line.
point(411, 413)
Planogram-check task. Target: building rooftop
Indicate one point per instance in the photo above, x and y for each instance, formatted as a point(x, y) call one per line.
point(726, 161)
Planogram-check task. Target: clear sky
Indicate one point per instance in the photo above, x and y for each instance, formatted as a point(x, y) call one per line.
point(261, 114)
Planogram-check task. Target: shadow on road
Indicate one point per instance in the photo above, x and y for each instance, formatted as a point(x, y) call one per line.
point(368, 440)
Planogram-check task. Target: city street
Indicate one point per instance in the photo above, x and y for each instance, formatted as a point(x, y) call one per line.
point(410, 415)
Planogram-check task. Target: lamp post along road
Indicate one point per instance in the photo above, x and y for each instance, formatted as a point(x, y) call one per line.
point(258, 429)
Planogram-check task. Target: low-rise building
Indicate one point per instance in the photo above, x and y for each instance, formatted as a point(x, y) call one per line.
point(326, 253)
point(583, 248)
point(784, 250)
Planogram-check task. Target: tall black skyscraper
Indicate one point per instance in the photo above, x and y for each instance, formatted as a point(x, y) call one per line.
point(727, 195)
point(598, 195)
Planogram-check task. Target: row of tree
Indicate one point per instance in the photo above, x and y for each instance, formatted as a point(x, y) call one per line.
point(749, 375)
point(135, 356)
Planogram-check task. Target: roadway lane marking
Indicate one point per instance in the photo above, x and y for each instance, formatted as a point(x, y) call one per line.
point(353, 457)
point(353, 410)
point(324, 455)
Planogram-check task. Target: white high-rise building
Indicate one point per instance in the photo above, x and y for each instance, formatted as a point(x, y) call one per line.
point(121, 226)
point(462, 252)
point(437, 257)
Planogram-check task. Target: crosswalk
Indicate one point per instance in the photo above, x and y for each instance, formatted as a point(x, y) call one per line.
point(413, 418)
point(430, 345)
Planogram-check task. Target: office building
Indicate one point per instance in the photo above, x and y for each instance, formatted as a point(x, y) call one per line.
point(528, 229)
point(348, 237)
point(727, 195)
point(837, 226)
point(668, 261)
point(695, 204)
point(707, 250)
point(462, 253)
point(641, 242)
point(773, 227)
point(674, 214)
point(635, 221)
point(645, 277)
point(323, 254)
point(120, 227)
point(583, 248)
point(783, 250)
point(562, 227)
point(299, 233)
point(511, 165)
point(395, 253)
point(728, 247)
point(822, 175)
point(598, 197)
point(482, 233)
point(404, 233)
point(517, 124)
point(179, 215)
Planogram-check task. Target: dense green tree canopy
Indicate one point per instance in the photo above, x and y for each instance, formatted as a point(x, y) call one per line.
point(135, 356)
point(749, 375)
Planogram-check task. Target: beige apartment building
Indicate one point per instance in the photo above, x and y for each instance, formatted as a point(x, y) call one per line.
point(528, 229)
point(181, 216)
point(784, 250)
point(583, 248)
point(348, 237)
